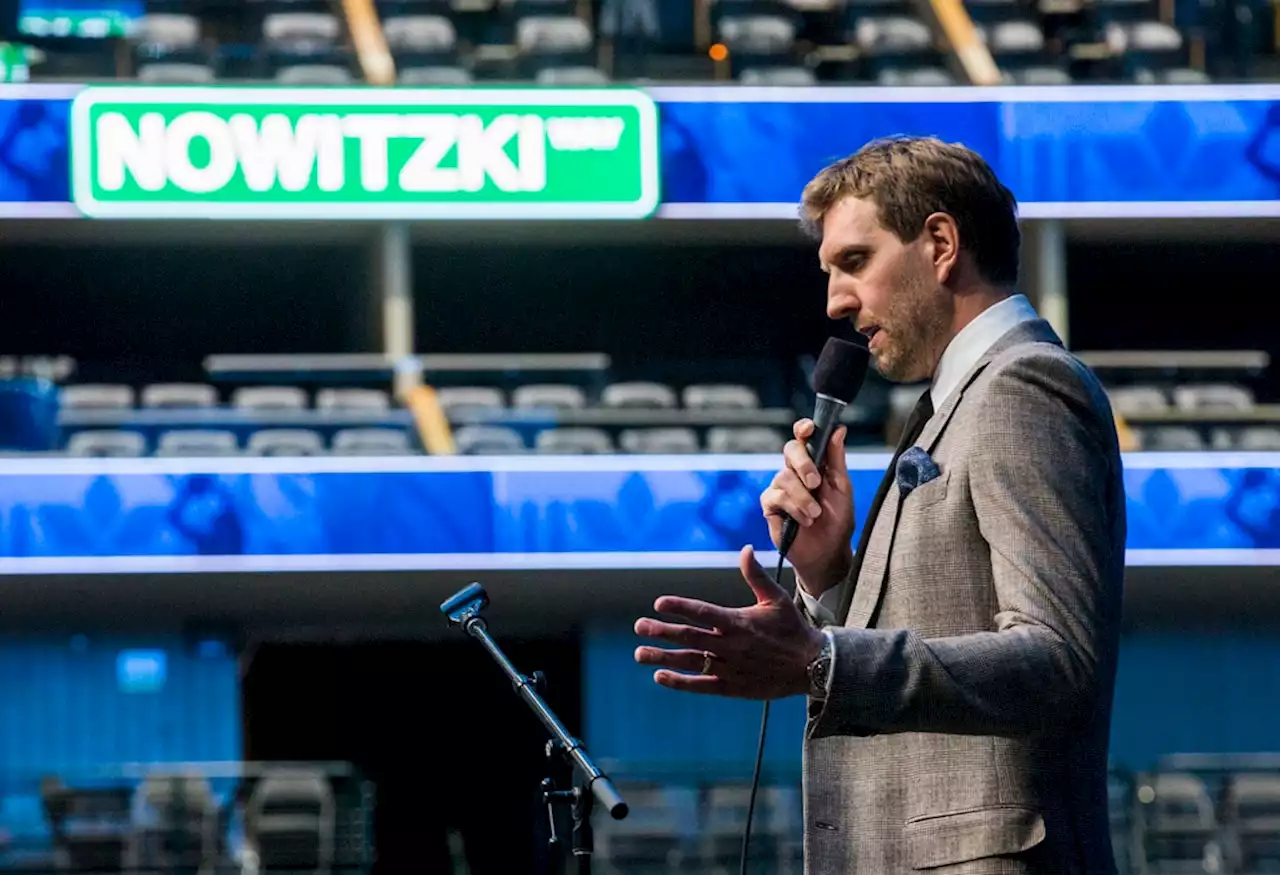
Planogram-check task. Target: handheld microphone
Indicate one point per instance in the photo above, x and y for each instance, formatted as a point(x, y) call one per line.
point(837, 379)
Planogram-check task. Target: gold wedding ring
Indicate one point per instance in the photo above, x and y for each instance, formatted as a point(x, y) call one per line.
point(706, 661)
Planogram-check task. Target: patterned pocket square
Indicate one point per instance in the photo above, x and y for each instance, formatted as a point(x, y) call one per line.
point(915, 468)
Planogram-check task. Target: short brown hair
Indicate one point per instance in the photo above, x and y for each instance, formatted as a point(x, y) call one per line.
point(908, 178)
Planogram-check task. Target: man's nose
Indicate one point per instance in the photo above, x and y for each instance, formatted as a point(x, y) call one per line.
point(842, 301)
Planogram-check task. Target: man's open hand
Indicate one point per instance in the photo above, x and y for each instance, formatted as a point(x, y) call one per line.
point(758, 652)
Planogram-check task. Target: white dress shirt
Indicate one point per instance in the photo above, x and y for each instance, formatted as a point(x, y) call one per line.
point(961, 354)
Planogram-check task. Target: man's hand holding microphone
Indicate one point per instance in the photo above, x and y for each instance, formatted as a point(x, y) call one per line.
point(763, 651)
point(821, 502)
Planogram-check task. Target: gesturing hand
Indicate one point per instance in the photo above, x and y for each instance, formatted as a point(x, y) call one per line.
point(758, 652)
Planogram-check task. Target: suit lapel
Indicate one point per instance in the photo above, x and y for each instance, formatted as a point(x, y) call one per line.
point(859, 606)
point(870, 587)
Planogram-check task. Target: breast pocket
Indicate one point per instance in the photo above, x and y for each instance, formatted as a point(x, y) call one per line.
point(927, 494)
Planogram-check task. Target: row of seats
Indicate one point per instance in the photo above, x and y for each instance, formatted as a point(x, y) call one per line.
point(1139, 399)
point(1179, 825)
point(554, 396)
point(775, 42)
point(498, 440)
point(183, 396)
point(294, 818)
point(310, 47)
point(1182, 438)
point(469, 440)
point(1168, 822)
point(266, 442)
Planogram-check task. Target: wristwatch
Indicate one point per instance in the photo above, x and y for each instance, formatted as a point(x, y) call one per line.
point(820, 669)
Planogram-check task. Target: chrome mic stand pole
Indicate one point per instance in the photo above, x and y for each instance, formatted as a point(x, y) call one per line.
point(564, 752)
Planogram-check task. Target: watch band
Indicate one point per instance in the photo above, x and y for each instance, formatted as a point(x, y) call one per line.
point(820, 668)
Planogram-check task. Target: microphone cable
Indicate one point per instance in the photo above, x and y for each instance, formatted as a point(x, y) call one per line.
point(837, 377)
point(764, 731)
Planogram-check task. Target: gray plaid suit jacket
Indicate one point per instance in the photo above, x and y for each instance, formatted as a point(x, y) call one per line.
point(966, 727)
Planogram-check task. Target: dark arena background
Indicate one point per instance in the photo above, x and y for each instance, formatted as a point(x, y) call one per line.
point(263, 410)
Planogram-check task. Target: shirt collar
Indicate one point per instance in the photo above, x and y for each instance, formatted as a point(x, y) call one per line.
point(973, 341)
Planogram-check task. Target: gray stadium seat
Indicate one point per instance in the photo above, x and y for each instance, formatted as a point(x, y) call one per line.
point(1012, 38)
point(470, 399)
point(1258, 438)
point(269, 398)
point(285, 442)
point(1213, 396)
point(659, 440)
point(549, 395)
point(757, 34)
point(892, 34)
point(574, 441)
point(488, 440)
point(57, 369)
point(1252, 812)
point(638, 395)
point(124, 444)
point(571, 76)
point(915, 77)
point(167, 31)
point(197, 442)
point(552, 34)
point(1181, 76)
point(291, 819)
point(1180, 824)
point(789, 77)
point(651, 837)
point(420, 33)
point(725, 816)
point(179, 395)
point(753, 439)
point(720, 397)
point(176, 820)
point(1039, 76)
point(291, 30)
point(352, 400)
point(1172, 438)
point(1146, 37)
point(434, 75)
point(371, 442)
point(96, 396)
point(1130, 400)
point(175, 73)
point(314, 74)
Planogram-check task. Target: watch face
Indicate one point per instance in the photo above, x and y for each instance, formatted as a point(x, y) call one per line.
point(818, 672)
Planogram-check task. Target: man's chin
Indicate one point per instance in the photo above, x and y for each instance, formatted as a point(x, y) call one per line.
point(888, 368)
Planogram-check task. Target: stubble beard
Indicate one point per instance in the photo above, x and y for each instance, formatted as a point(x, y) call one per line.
point(917, 320)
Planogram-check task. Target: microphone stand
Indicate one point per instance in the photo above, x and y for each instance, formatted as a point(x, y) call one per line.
point(564, 753)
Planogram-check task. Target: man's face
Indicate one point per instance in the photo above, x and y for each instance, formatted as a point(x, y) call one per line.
point(887, 288)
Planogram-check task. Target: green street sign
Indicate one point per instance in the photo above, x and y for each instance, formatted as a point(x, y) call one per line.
point(217, 152)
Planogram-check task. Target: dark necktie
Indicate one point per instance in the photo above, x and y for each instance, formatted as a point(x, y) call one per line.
point(920, 415)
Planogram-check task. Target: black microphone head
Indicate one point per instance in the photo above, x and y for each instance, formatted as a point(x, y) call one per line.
point(841, 369)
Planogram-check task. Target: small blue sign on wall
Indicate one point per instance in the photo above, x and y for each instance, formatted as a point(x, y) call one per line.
point(141, 671)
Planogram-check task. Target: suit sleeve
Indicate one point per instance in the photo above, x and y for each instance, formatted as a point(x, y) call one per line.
point(1041, 481)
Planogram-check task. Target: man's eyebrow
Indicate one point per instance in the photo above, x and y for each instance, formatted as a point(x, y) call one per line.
point(844, 254)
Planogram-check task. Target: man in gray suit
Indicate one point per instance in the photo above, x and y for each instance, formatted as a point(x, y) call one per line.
point(960, 665)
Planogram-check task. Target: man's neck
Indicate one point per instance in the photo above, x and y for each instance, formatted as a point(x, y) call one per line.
point(972, 303)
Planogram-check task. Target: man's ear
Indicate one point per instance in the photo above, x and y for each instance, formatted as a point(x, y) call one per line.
point(942, 239)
